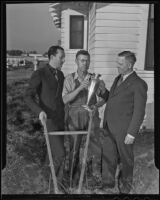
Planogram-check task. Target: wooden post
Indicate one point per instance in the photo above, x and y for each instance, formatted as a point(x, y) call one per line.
point(73, 157)
point(85, 154)
point(51, 160)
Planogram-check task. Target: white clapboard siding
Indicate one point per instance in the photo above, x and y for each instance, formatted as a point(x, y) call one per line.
point(105, 64)
point(91, 40)
point(150, 83)
point(91, 36)
point(111, 51)
point(117, 23)
point(92, 30)
point(108, 80)
point(125, 5)
point(69, 65)
point(106, 71)
point(71, 56)
point(145, 74)
point(116, 37)
point(117, 30)
point(148, 77)
point(120, 16)
point(65, 26)
point(67, 69)
point(116, 44)
point(66, 66)
point(64, 29)
point(118, 9)
point(149, 117)
point(105, 58)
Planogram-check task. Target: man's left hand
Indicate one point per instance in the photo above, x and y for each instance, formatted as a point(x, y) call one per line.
point(129, 139)
point(102, 86)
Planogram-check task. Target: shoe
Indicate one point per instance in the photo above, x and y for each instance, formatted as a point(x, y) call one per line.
point(125, 191)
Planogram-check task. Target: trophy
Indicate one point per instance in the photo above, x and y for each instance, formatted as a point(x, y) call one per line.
point(92, 90)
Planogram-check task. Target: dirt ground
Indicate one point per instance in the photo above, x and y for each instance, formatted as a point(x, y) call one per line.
point(22, 176)
point(24, 172)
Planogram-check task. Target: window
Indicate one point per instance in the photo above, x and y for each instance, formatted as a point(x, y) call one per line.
point(76, 32)
point(149, 64)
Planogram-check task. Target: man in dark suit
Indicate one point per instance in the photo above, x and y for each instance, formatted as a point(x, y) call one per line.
point(123, 116)
point(47, 84)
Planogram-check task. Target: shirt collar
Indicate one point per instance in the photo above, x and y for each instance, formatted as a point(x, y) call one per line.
point(54, 70)
point(126, 75)
point(76, 75)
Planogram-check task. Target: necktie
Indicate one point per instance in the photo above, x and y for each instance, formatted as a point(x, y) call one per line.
point(56, 75)
point(120, 80)
point(54, 72)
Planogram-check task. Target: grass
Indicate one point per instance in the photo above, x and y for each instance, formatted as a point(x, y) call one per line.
point(25, 173)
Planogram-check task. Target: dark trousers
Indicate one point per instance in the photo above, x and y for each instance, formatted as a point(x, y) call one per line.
point(57, 149)
point(115, 151)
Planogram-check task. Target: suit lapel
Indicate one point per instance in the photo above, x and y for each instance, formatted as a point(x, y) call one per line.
point(50, 77)
point(113, 86)
point(124, 85)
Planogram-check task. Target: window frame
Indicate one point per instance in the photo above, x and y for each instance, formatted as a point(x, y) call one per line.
point(150, 20)
point(71, 46)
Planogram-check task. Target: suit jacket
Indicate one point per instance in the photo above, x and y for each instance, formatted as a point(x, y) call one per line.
point(125, 107)
point(44, 85)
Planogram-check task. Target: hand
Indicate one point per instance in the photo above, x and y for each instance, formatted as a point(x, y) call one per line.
point(102, 86)
point(84, 84)
point(42, 117)
point(94, 109)
point(129, 139)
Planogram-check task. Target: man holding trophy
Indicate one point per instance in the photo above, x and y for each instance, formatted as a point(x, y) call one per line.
point(76, 94)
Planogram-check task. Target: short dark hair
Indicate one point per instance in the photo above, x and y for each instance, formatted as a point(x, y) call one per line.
point(53, 50)
point(82, 52)
point(130, 56)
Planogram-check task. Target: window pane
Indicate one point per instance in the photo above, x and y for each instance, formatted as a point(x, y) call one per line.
point(77, 24)
point(77, 40)
point(76, 32)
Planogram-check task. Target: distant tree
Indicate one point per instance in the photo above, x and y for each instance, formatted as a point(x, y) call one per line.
point(24, 52)
point(45, 54)
point(15, 52)
point(34, 52)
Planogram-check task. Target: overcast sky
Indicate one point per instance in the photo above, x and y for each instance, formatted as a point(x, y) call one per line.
point(30, 27)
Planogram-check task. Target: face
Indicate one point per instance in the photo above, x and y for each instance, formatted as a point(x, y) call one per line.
point(58, 59)
point(123, 65)
point(83, 62)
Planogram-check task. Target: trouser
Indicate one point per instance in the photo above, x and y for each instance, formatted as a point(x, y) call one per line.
point(57, 149)
point(74, 159)
point(78, 119)
point(93, 155)
point(115, 151)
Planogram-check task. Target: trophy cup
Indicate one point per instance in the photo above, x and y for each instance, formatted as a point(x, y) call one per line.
point(92, 90)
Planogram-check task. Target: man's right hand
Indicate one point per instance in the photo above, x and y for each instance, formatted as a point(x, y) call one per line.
point(84, 84)
point(42, 117)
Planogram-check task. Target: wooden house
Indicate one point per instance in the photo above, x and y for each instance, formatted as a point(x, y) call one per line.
point(106, 29)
